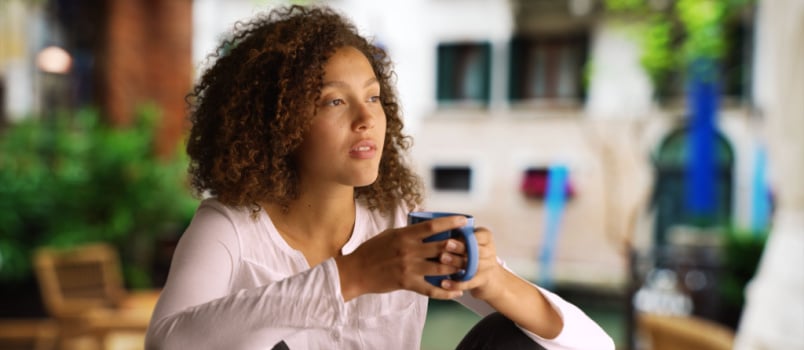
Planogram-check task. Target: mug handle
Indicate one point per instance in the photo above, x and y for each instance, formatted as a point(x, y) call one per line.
point(470, 241)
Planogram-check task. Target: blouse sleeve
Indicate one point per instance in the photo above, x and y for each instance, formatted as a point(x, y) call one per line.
point(579, 332)
point(197, 308)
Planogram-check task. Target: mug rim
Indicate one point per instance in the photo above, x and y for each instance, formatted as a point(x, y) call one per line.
point(436, 214)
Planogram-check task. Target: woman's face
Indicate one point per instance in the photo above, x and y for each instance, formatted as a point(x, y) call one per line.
point(345, 141)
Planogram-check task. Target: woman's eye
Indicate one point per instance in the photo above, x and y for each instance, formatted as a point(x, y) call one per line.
point(335, 102)
point(374, 98)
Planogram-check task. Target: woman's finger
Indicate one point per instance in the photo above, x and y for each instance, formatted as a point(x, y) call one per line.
point(483, 236)
point(430, 249)
point(455, 260)
point(428, 228)
point(452, 285)
point(436, 292)
point(432, 268)
point(416, 282)
point(454, 246)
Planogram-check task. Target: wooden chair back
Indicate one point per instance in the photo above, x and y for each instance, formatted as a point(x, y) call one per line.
point(665, 332)
point(76, 279)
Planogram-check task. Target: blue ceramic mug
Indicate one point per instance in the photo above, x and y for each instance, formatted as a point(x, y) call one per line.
point(466, 232)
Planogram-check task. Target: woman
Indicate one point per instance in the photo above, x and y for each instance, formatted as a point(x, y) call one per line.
point(302, 243)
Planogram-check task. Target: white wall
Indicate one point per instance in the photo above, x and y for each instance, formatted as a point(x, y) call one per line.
point(774, 309)
point(499, 148)
point(619, 88)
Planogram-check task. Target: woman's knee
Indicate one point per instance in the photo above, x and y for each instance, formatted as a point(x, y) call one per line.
point(496, 331)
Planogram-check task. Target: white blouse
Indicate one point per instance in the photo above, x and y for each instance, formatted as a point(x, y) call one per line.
point(234, 283)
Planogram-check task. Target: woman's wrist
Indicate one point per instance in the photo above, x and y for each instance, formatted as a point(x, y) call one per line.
point(496, 289)
point(349, 278)
point(537, 315)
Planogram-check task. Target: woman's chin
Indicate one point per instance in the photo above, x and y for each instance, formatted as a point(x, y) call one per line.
point(366, 180)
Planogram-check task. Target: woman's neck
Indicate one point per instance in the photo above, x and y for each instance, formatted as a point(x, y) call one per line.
point(318, 221)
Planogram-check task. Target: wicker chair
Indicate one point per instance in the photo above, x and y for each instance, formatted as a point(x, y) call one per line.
point(82, 289)
point(664, 332)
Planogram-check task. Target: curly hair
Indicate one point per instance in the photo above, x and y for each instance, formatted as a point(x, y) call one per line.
point(251, 108)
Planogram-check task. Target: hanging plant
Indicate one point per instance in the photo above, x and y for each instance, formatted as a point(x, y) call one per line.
point(675, 38)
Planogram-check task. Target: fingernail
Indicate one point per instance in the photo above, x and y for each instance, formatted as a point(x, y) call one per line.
point(446, 284)
point(451, 245)
point(446, 258)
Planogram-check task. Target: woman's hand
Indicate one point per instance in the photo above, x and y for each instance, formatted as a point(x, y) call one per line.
point(398, 259)
point(507, 293)
point(489, 281)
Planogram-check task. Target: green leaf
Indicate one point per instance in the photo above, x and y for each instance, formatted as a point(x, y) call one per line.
point(73, 179)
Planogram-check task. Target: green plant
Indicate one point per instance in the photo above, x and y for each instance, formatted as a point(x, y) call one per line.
point(73, 179)
point(687, 32)
point(742, 252)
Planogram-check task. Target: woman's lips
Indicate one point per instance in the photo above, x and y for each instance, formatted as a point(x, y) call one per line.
point(365, 149)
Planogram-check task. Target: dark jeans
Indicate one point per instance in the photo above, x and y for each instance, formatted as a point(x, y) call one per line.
point(281, 346)
point(493, 332)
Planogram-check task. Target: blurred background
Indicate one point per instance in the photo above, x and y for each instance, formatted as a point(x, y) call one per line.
point(633, 156)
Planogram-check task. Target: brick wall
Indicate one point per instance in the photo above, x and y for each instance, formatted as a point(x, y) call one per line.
point(148, 58)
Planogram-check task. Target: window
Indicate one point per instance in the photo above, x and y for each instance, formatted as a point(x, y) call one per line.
point(670, 189)
point(463, 73)
point(736, 70)
point(452, 178)
point(535, 183)
point(547, 68)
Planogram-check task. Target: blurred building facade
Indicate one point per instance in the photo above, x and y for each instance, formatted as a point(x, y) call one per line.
point(496, 94)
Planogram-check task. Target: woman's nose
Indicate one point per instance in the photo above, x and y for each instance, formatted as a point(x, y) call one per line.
point(364, 118)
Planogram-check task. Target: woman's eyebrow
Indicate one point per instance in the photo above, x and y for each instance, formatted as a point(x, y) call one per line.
point(338, 83)
point(371, 81)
